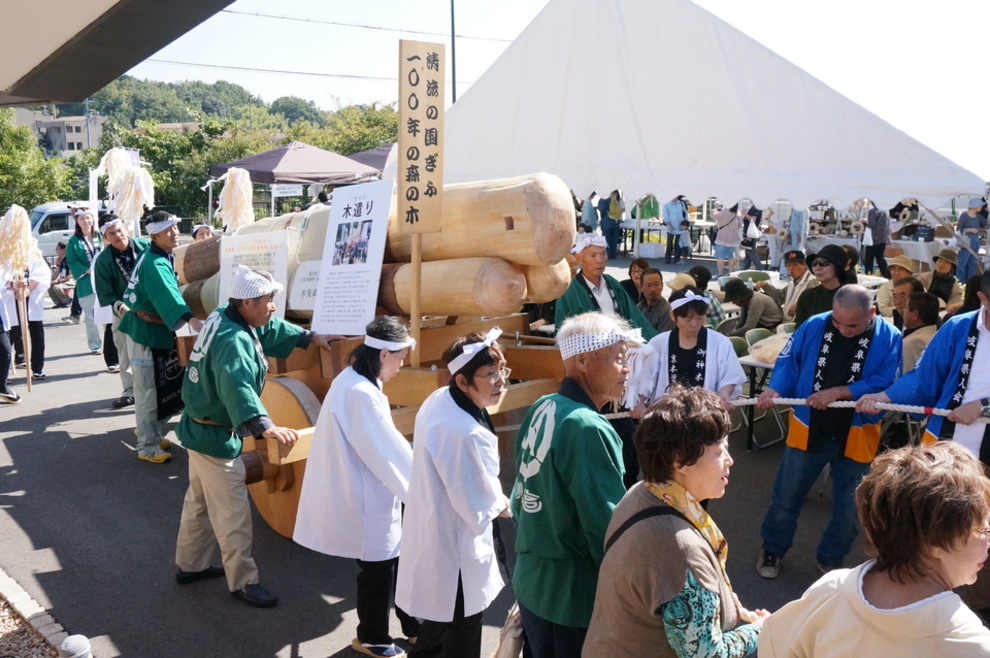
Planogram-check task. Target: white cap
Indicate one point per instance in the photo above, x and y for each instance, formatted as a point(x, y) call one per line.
point(589, 240)
point(249, 284)
point(157, 227)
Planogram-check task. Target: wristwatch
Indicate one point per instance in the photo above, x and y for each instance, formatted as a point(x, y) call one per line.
point(985, 411)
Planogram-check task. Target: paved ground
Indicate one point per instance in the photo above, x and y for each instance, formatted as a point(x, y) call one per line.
point(89, 532)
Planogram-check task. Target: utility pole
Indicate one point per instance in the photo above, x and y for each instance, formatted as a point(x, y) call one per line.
point(453, 57)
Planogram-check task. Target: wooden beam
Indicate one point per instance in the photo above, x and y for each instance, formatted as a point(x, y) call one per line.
point(438, 339)
point(534, 362)
point(413, 385)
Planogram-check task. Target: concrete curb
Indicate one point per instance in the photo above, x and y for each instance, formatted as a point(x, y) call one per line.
point(31, 611)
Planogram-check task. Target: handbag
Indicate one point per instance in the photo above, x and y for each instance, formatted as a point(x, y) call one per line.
point(752, 231)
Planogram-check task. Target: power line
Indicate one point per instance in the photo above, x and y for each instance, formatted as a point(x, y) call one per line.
point(366, 27)
point(278, 71)
point(282, 72)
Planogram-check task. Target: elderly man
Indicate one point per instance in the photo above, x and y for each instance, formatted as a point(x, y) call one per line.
point(832, 356)
point(756, 311)
point(942, 281)
point(112, 271)
point(801, 280)
point(221, 392)
point(155, 311)
point(653, 305)
point(902, 291)
point(920, 325)
point(593, 290)
point(899, 267)
point(569, 479)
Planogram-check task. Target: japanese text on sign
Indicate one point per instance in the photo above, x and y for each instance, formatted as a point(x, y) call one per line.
point(420, 164)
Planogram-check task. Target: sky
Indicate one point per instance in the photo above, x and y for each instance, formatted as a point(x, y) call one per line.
point(915, 63)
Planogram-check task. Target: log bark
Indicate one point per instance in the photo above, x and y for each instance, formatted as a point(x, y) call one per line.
point(466, 286)
point(198, 260)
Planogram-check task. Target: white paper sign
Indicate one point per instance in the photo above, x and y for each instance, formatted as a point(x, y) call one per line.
point(268, 252)
point(352, 258)
point(287, 190)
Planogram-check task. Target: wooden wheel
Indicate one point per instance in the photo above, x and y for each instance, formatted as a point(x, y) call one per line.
point(290, 403)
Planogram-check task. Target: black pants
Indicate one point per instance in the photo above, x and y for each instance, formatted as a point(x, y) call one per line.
point(76, 308)
point(875, 251)
point(110, 356)
point(673, 251)
point(459, 638)
point(36, 329)
point(5, 355)
point(375, 587)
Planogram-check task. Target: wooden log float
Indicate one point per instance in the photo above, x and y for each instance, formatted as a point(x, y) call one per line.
point(197, 260)
point(546, 282)
point(528, 220)
point(466, 286)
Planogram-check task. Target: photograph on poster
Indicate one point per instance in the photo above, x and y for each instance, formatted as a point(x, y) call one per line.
point(351, 244)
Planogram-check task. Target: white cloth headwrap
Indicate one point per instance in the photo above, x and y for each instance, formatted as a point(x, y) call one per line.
point(157, 227)
point(589, 240)
point(389, 345)
point(110, 224)
point(471, 349)
point(580, 343)
point(249, 284)
point(688, 298)
point(199, 226)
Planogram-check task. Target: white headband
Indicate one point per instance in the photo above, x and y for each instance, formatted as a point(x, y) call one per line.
point(580, 343)
point(389, 345)
point(471, 349)
point(590, 240)
point(687, 299)
point(111, 224)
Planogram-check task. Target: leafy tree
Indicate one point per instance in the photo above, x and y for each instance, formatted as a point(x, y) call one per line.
point(26, 177)
point(294, 109)
point(358, 128)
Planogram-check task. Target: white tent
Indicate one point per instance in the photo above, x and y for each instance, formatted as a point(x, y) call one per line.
point(662, 96)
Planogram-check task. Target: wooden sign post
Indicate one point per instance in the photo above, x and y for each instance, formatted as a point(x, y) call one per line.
point(420, 162)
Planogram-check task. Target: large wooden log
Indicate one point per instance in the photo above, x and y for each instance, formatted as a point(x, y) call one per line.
point(528, 220)
point(466, 286)
point(197, 260)
point(546, 282)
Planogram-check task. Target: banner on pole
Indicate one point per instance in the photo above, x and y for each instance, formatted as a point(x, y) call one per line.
point(420, 163)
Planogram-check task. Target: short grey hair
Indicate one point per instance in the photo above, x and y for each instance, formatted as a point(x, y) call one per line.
point(853, 297)
point(592, 322)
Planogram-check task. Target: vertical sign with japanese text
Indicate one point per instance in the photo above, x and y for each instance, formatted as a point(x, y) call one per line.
point(351, 269)
point(420, 164)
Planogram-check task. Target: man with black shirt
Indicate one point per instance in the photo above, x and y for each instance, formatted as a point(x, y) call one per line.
point(833, 356)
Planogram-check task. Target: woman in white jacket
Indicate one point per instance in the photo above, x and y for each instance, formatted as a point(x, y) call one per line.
point(357, 477)
point(449, 573)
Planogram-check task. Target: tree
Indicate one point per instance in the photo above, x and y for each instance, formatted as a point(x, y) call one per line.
point(294, 109)
point(358, 128)
point(26, 177)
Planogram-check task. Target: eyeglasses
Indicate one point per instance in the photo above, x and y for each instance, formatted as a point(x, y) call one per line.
point(985, 532)
point(502, 373)
point(821, 263)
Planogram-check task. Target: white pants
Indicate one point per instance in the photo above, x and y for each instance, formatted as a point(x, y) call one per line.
point(216, 511)
point(93, 335)
point(122, 341)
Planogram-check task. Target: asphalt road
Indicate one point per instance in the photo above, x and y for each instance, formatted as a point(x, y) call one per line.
point(89, 531)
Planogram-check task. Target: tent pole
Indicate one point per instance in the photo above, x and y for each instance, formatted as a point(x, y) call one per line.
point(271, 190)
point(639, 215)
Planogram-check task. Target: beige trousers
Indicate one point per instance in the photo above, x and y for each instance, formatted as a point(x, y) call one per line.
point(216, 511)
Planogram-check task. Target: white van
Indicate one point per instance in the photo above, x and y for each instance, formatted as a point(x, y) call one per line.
point(52, 223)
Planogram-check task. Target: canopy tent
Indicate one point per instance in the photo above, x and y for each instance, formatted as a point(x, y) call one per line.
point(296, 162)
point(379, 157)
point(63, 52)
point(662, 96)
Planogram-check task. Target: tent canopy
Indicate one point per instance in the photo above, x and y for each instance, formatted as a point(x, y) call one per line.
point(296, 162)
point(379, 157)
point(662, 96)
point(64, 52)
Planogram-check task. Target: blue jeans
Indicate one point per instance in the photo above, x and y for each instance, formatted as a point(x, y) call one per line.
point(967, 263)
point(546, 639)
point(796, 475)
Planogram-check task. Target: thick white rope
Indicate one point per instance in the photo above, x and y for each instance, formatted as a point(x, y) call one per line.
point(789, 402)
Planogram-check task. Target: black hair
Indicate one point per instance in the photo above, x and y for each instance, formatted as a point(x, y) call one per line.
point(696, 305)
point(366, 360)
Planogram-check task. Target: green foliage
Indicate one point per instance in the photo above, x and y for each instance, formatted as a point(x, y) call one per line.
point(358, 128)
point(26, 177)
point(295, 109)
